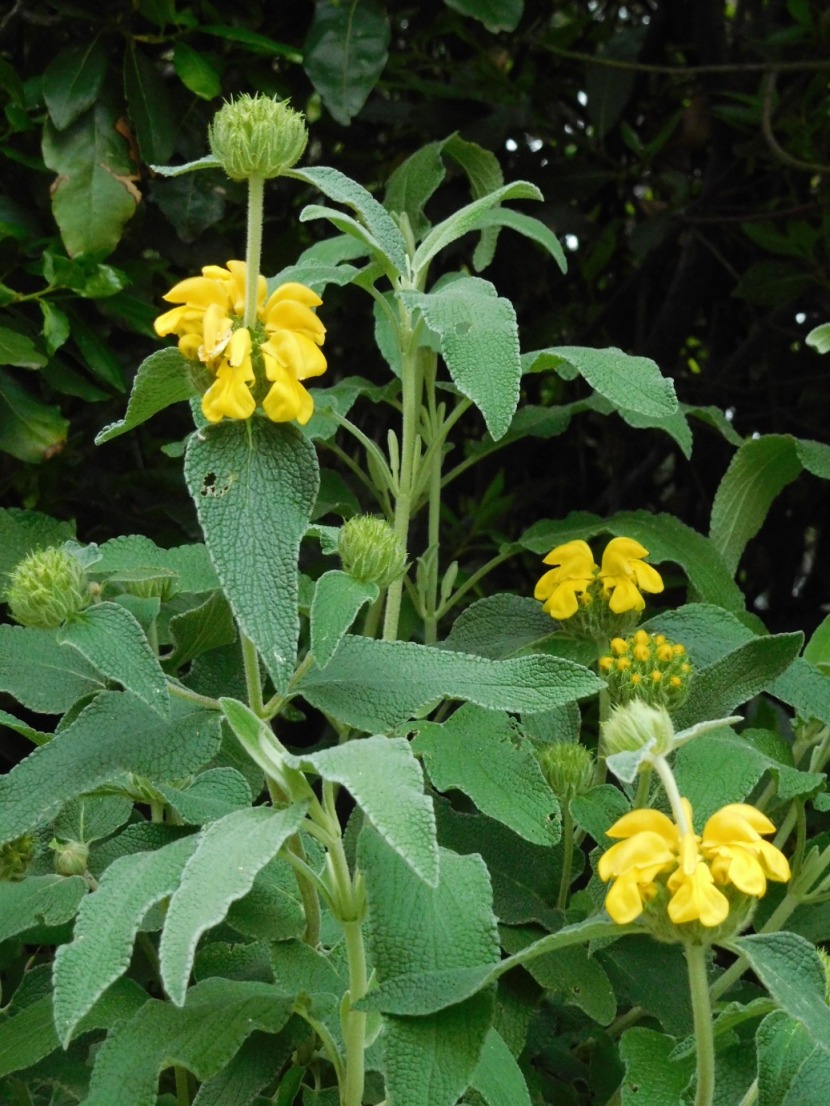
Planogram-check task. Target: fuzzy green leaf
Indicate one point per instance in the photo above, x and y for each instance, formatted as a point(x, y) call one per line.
point(107, 923)
point(385, 780)
point(38, 901)
point(109, 637)
point(208, 626)
point(466, 219)
point(632, 383)
point(135, 553)
point(531, 228)
point(651, 1078)
point(202, 1037)
point(115, 733)
point(337, 601)
point(792, 1068)
point(21, 532)
point(376, 685)
point(254, 484)
point(569, 972)
point(413, 183)
point(40, 673)
point(378, 222)
point(499, 626)
point(163, 378)
point(482, 754)
point(479, 340)
point(211, 795)
point(791, 970)
point(498, 1078)
point(723, 767)
point(228, 856)
point(413, 929)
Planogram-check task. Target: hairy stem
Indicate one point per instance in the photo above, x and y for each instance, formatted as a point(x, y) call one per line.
point(702, 1014)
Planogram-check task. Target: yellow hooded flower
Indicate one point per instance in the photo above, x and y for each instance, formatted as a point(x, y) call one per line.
point(574, 572)
point(624, 575)
point(736, 852)
point(695, 897)
point(229, 395)
point(207, 322)
point(650, 847)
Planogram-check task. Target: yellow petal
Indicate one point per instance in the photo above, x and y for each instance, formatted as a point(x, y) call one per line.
point(645, 819)
point(296, 353)
point(624, 595)
point(288, 400)
point(573, 553)
point(624, 901)
point(198, 292)
point(291, 315)
point(737, 822)
point(696, 898)
point(168, 322)
point(648, 578)
point(620, 551)
point(228, 396)
point(292, 291)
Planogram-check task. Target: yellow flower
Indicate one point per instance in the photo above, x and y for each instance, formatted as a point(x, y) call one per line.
point(287, 337)
point(737, 853)
point(574, 572)
point(624, 575)
point(695, 897)
point(650, 847)
point(229, 395)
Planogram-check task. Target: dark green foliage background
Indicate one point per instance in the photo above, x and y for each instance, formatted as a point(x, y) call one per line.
point(682, 151)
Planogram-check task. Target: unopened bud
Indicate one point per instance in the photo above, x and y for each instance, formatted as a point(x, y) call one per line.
point(370, 551)
point(256, 136)
point(46, 588)
point(568, 767)
point(70, 857)
point(638, 725)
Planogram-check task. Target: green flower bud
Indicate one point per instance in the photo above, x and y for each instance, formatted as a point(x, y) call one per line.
point(568, 767)
point(70, 857)
point(46, 588)
point(16, 856)
point(370, 551)
point(256, 136)
point(637, 725)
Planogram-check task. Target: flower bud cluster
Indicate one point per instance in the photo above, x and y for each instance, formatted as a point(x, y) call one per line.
point(648, 667)
point(46, 588)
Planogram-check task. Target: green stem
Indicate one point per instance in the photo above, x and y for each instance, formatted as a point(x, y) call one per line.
point(192, 696)
point(567, 855)
point(751, 1096)
point(253, 247)
point(643, 787)
point(308, 892)
point(253, 679)
point(182, 1089)
point(669, 783)
point(702, 1014)
point(410, 445)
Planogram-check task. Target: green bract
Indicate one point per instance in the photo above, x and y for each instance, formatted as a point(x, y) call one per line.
point(255, 136)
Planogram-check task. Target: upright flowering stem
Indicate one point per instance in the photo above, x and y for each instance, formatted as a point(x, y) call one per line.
point(412, 387)
point(702, 1015)
point(661, 766)
point(253, 247)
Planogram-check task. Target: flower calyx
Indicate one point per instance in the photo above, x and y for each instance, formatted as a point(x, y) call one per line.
point(370, 551)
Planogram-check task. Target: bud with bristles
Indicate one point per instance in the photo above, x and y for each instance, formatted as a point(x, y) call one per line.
point(370, 551)
point(256, 136)
point(568, 767)
point(46, 588)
